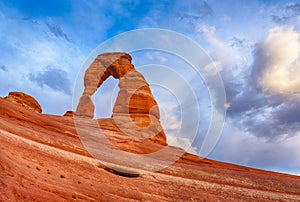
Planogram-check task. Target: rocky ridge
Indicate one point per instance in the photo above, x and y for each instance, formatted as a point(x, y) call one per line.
point(43, 159)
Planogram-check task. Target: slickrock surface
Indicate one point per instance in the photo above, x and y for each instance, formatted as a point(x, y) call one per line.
point(42, 159)
point(24, 100)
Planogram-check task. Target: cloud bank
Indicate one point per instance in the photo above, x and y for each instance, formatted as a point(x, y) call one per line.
point(277, 61)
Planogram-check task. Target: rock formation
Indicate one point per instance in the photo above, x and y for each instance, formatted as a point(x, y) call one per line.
point(69, 113)
point(43, 159)
point(24, 100)
point(135, 108)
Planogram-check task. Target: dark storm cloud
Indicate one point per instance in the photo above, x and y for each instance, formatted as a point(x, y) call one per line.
point(54, 78)
point(3, 68)
point(286, 13)
point(57, 31)
point(283, 121)
point(264, 115)
point(244, 98)
point(289, 113)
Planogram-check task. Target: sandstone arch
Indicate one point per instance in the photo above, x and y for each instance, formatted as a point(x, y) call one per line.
point(135, 112)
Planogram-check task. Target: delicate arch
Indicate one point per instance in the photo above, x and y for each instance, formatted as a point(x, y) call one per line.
point(135, 105)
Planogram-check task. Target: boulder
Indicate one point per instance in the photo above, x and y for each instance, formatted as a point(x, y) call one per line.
point(25, 101)
point(69, 113)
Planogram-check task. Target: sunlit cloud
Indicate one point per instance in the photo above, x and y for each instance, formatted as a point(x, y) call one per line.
point(220, 52)
point(277, 62)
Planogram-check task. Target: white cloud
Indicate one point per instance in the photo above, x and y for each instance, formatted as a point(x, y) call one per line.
point(168, 115)
point(220, 51)
point(183, 143)
point(209, 31)
point(278, 62)
point(298, 20)
point(172, 123)
point(213, 67)
point(29, 48)
point(244, 148)
point(156, 57)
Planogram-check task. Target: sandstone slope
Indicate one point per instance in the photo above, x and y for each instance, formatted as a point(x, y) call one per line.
point(43, 159)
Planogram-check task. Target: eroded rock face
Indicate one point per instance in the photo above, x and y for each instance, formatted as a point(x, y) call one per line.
point(24, 100)
point(135, 109)
point(135, 96)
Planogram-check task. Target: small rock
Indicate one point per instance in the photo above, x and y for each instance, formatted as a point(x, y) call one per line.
point(69, 113)
point(24, 100)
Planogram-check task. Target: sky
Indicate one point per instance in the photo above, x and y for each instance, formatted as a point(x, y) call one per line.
point(255, 47)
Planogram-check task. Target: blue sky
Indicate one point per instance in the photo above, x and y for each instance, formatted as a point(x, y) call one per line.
point(255, 44)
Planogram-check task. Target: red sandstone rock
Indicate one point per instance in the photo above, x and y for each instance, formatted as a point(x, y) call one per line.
point(69, 113)
point(24, 100)
point(86, 108)
point(43, 159)
point(134, 98)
